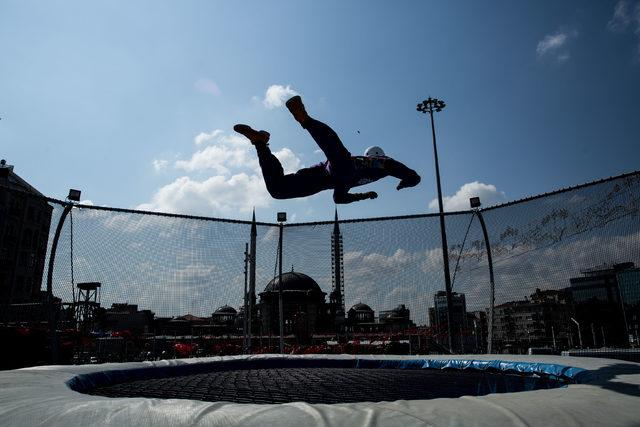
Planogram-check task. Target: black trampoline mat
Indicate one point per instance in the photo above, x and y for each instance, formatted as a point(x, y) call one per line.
point(325, 385)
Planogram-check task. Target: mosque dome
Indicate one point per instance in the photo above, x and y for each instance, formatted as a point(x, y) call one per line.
point(360, 313)
point(361, 307)
point(225, 309)
point(293, 281)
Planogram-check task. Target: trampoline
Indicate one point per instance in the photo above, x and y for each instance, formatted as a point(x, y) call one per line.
point(325, 381)
point(327, 390)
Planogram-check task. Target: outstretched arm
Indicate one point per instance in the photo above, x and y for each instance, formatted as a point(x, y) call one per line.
point(408, 177)
point(342, 196)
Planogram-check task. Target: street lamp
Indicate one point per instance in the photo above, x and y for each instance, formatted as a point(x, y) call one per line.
point(431, 105)
point(475, 205)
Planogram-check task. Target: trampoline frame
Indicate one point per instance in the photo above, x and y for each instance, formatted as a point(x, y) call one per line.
point(604, 391)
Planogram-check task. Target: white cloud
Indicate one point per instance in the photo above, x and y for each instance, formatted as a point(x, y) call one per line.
point(621, 17)
point(207, 86)
point(218, 158)
point(194, 271)
point(362, 269)
point(233, 152)
point(290, 162)
point(626, 14)
point(203, 137)
point(159, 164)
point(551, 42)
point(488, 193)
point(276, 95)
point(556, 45)
point(217, 195)
point(236, 183)
point(400, 257)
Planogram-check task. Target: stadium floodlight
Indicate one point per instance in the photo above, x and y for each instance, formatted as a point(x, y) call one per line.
point(282, 217)
point(474, 202)
point(74, 195)
point(430, 105)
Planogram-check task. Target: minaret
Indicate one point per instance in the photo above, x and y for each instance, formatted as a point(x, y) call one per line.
point(252, 275)
point(336, 297)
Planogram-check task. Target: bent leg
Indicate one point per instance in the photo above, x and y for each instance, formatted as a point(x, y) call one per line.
point(338, 156)
point(271, 170)
point(328, 141)
point(304, 182)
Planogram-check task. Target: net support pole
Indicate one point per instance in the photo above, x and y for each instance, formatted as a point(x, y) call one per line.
point(50, 309)
point(491, 283)
point(245, 319)
point(252, 278)
point(280, 307)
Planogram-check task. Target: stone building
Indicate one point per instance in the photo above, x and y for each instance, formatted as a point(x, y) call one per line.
point(438, 318)
point(396, 319)
point(25, 218)
point(539, 321)
point(361, 318)
point(123, 316)
point(598, 306)
point(225, 315)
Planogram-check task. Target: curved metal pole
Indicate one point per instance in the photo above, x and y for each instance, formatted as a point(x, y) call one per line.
point(491, 281)
point(52, 258)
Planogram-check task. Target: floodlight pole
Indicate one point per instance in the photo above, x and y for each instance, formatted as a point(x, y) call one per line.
point(429, 106)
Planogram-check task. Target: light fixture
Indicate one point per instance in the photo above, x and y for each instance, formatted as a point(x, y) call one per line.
point(74, 195)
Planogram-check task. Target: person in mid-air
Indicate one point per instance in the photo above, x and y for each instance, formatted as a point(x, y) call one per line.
point(340, 172)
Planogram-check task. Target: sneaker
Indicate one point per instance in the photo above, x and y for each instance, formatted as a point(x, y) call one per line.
point(256, 137)
point(296, 107)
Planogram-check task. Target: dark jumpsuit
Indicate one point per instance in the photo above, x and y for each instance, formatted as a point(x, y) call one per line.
point(341, 171)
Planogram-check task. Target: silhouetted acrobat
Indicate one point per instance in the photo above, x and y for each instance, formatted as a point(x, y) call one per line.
point(340, 172)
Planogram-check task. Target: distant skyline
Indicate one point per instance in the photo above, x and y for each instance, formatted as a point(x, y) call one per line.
point(134, 104)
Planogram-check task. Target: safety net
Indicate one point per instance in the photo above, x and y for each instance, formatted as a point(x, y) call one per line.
point(127, 285)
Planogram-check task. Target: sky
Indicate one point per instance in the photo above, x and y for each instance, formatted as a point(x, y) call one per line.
point(134, 102)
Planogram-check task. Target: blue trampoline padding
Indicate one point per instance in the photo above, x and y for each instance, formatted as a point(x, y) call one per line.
point(84, 382)
point(577, 375)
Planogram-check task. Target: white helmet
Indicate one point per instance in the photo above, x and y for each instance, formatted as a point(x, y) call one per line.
point(374, 152)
